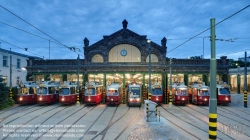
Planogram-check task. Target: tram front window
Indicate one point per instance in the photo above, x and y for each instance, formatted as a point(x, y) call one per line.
point(64, 91)
point(90, 91)
point(42, 90)
point(182, 92)
point(224, 91)
point(204, 93)
point(134, 92)
point(156, 91)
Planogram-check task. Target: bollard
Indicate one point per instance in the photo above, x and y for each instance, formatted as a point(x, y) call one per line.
point(77, 99)
point(212, 126)
point(10, 93)
point(124, 96)
point(245, 99)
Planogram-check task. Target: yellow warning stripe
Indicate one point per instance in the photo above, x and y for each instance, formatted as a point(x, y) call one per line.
point(212, 124)
point(213, 133)
point(213, 116)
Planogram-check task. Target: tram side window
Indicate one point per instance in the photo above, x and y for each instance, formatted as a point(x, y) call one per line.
point(42, 90)
point(24, 91)
point(72, 90)
point(51, 90)
point(31, 90)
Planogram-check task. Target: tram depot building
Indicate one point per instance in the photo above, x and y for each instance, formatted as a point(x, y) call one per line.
point(124, 57)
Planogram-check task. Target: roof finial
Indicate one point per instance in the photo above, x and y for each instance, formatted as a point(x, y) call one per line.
point(124, 24)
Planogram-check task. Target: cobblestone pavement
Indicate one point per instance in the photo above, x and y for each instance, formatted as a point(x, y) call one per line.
point(154, 131)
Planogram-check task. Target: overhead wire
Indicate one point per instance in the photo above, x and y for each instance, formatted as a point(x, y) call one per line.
point(37, 28)
point(208, 28)
point(183, 17)
point(20, 47)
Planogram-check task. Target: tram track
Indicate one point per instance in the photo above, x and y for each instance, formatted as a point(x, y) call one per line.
point(67, 118)
point(178, 125)
point(116, 138)
point(231, 113)
point(13, 107)
point(92, 124)
point(240, 110)
point(45, 119)
point(221, 123)
point(19, 116)
point(103, 132)
point(21, 110)
point(33, 119)
point(185, 120)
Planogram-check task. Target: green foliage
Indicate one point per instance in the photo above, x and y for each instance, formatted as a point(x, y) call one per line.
point(195, 57)
point(14, 93)
point(5, 100)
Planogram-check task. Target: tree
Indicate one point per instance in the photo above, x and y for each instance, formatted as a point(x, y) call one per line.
point(5, 101)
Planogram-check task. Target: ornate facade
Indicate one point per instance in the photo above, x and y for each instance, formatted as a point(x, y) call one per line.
point(126, 53)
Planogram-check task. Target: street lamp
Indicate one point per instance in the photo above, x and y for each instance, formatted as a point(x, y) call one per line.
point(149, 67)
point(203, 45)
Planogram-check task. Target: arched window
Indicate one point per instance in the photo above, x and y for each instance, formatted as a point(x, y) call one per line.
point(154, 58)
point(97, 59)
point(124, 53)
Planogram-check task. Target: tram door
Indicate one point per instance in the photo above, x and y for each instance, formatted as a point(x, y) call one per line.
point(130, 78)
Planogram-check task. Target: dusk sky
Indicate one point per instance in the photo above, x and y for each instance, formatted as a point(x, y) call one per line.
point(68, 22)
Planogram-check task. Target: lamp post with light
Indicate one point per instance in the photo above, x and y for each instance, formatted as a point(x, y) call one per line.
point(149, 69)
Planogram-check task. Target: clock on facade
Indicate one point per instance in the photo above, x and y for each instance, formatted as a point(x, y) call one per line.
point(123, 52)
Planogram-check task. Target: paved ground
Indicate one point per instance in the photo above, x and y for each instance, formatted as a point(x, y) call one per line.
point(110, 122)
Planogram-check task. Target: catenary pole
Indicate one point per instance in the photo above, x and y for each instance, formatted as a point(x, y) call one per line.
point(245, 81)
point(213, 97)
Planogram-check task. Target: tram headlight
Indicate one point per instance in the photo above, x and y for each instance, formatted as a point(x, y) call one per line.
point(40, 98)
point(88, 99)
point(130, 99)
point(20, 98)
point(138, 99)
point(183, 99)
point(62, 99)
point(111, 99)
point(226, 98)
point(205, 99)
point(156, 99)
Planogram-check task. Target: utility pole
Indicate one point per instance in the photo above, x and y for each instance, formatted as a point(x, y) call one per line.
point(78, 103)
point(10, 75)
point(170, 93)
point(213, 97)
point(245, 81)
point(49, 49)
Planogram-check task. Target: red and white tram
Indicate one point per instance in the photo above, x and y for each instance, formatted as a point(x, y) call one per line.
point(114, 93)
point(156, 93)
point(27, 93)
point(223, 94)
point(134, 94)
point(200, 94)
point(180, 95)
point(93, 93)
point(67, 94)
point(48, 92)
